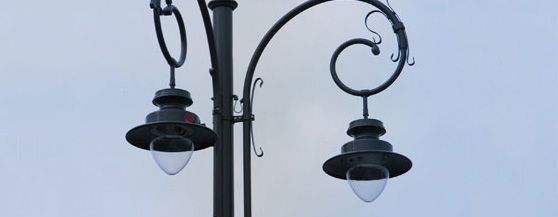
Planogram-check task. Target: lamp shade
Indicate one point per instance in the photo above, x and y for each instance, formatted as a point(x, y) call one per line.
point(367, 162)
point(172, 119)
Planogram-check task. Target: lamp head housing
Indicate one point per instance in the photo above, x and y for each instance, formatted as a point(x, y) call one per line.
point(366, 149)
point(172, 119)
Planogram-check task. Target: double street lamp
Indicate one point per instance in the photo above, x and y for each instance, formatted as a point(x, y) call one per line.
point(173, 133)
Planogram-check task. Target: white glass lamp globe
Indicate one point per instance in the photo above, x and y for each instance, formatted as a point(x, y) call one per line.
point(171, 152)
point(368, 181)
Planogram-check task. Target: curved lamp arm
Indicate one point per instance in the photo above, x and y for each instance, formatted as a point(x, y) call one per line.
point(211, 43)
point(399, 30)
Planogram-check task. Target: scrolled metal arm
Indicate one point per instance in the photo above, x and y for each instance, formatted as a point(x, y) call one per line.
point(399, 30)
point(397, 25)
point(333, 63)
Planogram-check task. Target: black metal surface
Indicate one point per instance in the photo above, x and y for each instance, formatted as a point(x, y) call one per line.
point(222, 3)
point(172, 82)
point(212, 46)
point(223, 151)
point(379, 41)
point(366, 144)
point(169, 113)
point(365, 107)
point(172, 96)
point(340, 84)
point(338, 166)
point(172, 119)
point(261, 153)
point(366, 134)
point(366, 148)
point(391, 16)
point(365, 126)
point(141, 136)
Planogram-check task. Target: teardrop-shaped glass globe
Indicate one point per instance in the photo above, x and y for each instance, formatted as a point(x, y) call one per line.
point(171, 152)
point(368, 181)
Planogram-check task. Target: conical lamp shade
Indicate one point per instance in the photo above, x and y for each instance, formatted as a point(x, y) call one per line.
point(368, 181)
point(172, 153)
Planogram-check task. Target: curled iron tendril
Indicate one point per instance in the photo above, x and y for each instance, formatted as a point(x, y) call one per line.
point(260, 80)
point(379, 41)
point(370, 29)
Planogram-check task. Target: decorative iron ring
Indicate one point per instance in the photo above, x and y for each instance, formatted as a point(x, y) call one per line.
point(333, 62)
point(375, 51)
point(169, 10)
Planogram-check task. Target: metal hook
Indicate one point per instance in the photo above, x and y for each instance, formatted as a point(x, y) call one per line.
point(399, 52)
point(397, 58)
point(370, 29)
point(251, 128)
point(411, 63)
point(254, 144)
point(253, 90)
point(235, 98)
point(408, 55)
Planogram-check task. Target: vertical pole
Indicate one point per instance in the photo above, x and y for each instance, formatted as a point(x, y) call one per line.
point(223, 187)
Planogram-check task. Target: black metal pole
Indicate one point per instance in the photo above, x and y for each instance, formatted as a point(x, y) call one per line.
point(223, 189)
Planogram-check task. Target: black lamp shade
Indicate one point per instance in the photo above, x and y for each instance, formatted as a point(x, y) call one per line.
point(367, 148)
point(172, 119)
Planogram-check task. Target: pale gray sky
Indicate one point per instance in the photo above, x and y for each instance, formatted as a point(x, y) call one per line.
point(477, 114)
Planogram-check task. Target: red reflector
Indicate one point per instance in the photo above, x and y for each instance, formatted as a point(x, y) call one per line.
point(189, 118)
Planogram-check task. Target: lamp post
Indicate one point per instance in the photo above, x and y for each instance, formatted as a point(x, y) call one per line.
point(173, 133)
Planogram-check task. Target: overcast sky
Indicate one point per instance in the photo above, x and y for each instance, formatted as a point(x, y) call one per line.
point(477, 114)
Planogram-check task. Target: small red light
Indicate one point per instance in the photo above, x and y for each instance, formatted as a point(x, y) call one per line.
point(189, 118)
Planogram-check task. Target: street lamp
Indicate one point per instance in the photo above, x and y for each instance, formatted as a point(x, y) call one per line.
point(173, 133)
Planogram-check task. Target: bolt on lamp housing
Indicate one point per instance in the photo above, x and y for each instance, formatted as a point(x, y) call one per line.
point(367, 160)
point(172, 133)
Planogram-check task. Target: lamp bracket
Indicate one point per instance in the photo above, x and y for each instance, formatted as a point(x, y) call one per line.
point(240, 118)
